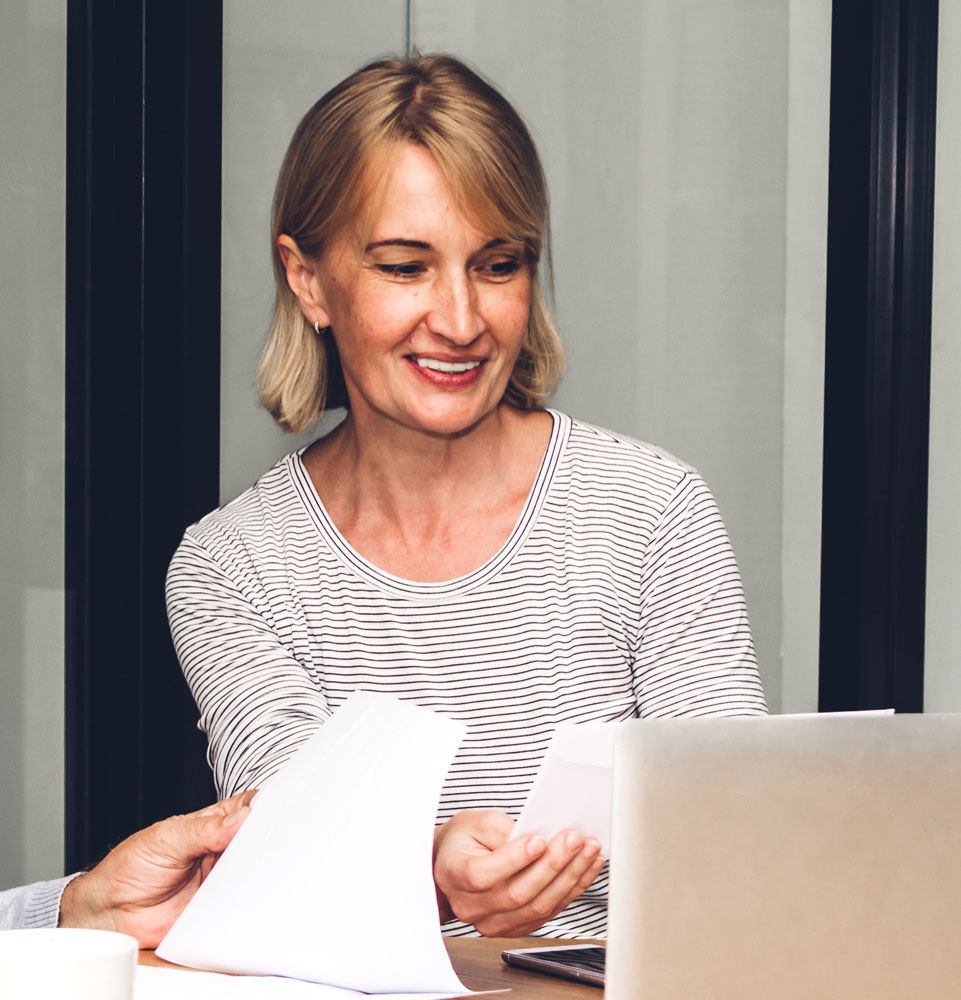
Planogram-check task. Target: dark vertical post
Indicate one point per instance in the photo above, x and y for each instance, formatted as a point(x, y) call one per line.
point(877, 364)
point(142, 396)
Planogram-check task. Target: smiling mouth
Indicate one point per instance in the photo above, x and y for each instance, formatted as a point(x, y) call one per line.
point(446, 374)
point(447, 367)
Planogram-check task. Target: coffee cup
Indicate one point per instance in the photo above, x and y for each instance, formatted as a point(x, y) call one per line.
point(61, 963)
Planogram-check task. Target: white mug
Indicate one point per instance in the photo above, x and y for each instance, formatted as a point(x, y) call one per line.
point(62, 963)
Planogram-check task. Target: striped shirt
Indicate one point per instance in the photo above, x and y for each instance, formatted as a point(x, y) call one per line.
point(615, 596)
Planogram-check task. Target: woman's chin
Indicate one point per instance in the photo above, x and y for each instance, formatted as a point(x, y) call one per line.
point(449, 420)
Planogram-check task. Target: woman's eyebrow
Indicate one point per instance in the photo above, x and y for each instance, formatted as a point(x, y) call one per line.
point(421, 245)
point(413, 244)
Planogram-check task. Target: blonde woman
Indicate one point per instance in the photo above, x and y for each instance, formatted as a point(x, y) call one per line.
point(452, 541)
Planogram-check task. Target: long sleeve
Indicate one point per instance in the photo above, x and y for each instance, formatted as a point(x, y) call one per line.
point(695, 655)
point(36, 905)
point(257, 702)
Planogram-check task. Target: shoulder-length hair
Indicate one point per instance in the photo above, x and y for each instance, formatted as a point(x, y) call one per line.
point(487, 157)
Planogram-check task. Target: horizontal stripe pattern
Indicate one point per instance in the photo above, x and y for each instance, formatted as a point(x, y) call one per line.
point(616, 596)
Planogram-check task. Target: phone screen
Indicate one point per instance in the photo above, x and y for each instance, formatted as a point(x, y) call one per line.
point(583, 963)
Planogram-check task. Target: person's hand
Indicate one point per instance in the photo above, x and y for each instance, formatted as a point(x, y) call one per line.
point(508, 888)
point(143, 884)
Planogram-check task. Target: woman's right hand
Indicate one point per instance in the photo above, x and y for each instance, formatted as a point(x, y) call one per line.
point(508, 888)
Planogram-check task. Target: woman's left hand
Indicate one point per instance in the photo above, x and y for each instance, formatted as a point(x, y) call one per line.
point(508, 888)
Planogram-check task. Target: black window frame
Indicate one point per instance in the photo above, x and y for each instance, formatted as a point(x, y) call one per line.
point(878, 354)
point(144, 83)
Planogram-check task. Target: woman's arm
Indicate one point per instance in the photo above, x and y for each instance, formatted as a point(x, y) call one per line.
point(257, 703)
point(695, 656)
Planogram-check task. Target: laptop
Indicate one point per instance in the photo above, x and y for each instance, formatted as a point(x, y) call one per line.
point(811, 857)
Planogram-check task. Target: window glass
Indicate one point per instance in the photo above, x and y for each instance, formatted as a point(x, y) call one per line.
point(33, 126)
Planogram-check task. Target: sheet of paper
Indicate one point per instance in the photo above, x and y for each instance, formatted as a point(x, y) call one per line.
point(153, 983)
point(572, 789)
point(330, 878)
point(867, 713)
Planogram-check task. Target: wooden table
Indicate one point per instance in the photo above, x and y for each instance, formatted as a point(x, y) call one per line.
point(477, 961)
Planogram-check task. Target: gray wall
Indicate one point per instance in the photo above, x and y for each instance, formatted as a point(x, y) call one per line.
point(809, 77)
point(278, 59)
point(685, 143)
point(32, 123)
point(942, 655)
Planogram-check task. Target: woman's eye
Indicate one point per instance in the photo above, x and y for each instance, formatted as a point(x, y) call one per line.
point(501, 268)
point(401, 270)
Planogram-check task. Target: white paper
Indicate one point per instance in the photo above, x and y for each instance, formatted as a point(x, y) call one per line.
point(330, 878)
point(153, 983)
point(572, 789)
point(865, 713)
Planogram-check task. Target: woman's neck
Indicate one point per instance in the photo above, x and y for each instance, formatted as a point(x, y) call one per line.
point(425, 506)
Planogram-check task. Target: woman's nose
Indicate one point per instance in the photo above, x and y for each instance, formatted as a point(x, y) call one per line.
point(455, 314)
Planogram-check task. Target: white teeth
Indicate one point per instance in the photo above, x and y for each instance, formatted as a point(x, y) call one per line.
point(446, 366)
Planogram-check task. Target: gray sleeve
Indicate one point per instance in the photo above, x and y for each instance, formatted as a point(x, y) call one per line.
point(36, 905)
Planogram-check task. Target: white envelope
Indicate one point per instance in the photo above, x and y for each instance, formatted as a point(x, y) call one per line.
point(572, 789)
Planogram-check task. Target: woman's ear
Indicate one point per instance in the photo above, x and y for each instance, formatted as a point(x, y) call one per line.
point(303, 280)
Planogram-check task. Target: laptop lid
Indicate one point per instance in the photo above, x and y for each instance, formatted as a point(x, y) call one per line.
point(815, 856)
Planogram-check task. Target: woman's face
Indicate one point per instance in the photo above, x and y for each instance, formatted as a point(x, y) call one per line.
point(428, 316)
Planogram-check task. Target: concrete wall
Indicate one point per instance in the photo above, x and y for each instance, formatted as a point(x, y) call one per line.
point(32, 123)
point(809, 77)
point(278, 59)
point(942, 655)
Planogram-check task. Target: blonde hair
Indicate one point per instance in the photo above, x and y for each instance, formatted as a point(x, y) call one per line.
point(487, 157)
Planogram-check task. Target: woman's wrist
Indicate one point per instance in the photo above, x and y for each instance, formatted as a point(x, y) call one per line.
point(444, 910)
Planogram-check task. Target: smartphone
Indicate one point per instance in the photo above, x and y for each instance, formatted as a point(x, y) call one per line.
point(581, 962)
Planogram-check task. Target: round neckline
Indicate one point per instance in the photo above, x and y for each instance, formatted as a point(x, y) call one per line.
point(373, 574)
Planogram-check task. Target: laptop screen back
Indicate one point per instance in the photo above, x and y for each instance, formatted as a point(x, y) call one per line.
point(786, 857)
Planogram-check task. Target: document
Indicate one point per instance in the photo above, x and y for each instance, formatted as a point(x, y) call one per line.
point(572, 789)
point(330, 878)
point(153, 983)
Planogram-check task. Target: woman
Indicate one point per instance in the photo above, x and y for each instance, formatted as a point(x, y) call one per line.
point(451, 541)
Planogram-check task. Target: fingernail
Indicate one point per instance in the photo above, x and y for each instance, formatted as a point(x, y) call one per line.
point(600, 861)
point(591, 847)
point(573, 841)
point(536, 845)
point(232, 818)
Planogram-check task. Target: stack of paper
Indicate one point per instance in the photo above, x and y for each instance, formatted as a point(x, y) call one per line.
point(176, 984)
